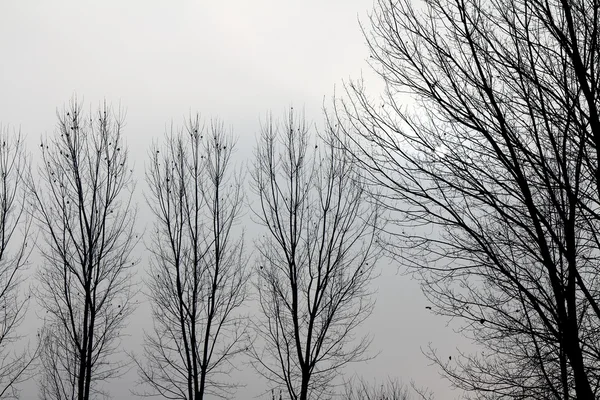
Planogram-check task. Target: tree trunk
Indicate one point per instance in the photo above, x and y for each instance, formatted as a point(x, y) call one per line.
point(200, 394)
point(304, 386)
point(573, 350)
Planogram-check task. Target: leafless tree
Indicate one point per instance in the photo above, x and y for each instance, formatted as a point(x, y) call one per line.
point(494, 180)
point(198, 275)
point(15, 248)
point(359, 389)
point(316, 259)
point(84, 209)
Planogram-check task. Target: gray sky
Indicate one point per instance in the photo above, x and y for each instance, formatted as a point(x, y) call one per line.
point(235, 60)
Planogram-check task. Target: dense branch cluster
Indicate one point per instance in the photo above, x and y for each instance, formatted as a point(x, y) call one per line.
point(198, 275)
point(499, 156)
point(314, 262)
point(476, 170)
point(316, 258)
point(84, 210)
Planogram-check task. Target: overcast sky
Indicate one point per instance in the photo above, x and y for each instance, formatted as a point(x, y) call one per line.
point(235, 60)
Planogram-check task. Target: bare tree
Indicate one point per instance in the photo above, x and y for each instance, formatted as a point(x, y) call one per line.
point(84, 209)
point(494, 180)
point(15, 248)
point(359, 389)
point(316, 259)
point(198, 276)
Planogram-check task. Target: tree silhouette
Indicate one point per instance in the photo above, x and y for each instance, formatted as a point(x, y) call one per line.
point(198, 276)
point(498, 159)
point(16, 244)
point(84, 210)
point(315, 261)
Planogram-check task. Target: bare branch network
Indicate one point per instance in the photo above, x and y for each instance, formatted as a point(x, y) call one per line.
point(498, 159)
point(198, 277)
point(316, 259)
point(482, 153)
point(83, 207)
